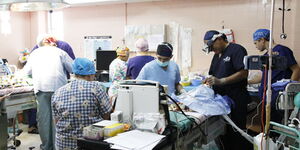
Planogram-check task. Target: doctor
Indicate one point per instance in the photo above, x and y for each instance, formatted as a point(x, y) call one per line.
point(162, 69)
point(228, 77)
point(261, 38)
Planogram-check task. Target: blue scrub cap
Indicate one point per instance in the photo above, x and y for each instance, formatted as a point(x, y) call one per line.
point(209, 34)
point(83, 66)
point(261, 33)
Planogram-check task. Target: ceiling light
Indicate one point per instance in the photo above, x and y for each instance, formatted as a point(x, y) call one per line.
point(32, 5)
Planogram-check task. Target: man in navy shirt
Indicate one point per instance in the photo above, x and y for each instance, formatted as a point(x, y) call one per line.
point(228, 77)
point(135, 64)
point(261, 41)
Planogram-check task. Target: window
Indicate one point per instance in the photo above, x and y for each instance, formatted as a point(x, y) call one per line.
point(5, 22)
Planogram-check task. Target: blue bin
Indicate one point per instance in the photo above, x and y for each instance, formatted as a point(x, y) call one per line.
point(196, 82)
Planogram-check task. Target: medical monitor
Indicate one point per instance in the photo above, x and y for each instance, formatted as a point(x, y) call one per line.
point(136, 96)
point(104, 58)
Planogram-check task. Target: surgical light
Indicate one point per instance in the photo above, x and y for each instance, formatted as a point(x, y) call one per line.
point(32, 5)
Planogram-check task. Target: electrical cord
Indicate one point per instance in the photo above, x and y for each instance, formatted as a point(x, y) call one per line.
point(263, 105)
point(277, 100)
point(283, 10)
point(185, 114)
point(256, 114)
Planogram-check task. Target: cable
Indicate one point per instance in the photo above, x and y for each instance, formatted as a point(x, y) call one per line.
point(185, 114)
point(277, 103)
point(256, 114)
point(283, 9)
point(244, 134)
point(283, 35)
point(263, 105)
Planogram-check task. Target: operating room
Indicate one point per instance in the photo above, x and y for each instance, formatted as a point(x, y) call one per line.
point(149, 74)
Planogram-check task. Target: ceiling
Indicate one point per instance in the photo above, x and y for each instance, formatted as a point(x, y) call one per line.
point(102, 2)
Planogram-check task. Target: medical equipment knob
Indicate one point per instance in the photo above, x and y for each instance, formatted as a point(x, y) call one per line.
point(297, 100)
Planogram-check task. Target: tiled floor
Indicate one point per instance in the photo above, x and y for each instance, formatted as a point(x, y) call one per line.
point(27, 140)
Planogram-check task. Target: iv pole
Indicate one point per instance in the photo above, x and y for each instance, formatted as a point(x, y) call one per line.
point(269, 91)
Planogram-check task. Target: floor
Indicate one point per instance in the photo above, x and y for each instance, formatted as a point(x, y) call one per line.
point(33, 140)
point(27, 140)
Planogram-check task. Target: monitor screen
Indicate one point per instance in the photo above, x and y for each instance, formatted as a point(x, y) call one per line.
point(104, 58)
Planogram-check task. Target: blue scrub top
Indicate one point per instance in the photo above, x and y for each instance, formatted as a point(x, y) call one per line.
point(230, 62)
point(152, 71)
point(136, 64)
point(279, 74)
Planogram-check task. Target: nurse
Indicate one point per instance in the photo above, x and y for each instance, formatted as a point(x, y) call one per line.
point(117, 70)
point(261, 38)
point(228, 77)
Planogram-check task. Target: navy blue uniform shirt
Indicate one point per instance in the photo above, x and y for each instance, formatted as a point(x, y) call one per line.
point(279, 74)
point(230, 62)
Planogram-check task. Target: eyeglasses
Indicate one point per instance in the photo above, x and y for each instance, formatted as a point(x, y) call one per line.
point(207, 48)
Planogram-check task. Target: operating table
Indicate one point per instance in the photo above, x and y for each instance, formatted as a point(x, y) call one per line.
point(9, 108)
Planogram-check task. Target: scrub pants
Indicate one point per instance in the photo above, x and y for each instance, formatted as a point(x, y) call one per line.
point(3, 129)
point(45, 120)
point(32, 118)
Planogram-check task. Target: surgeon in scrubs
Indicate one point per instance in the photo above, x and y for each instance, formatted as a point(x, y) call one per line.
point(162, 69)
point(228, 77)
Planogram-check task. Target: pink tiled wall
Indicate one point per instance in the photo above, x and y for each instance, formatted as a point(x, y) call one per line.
point(242, 16)
point(11, 44)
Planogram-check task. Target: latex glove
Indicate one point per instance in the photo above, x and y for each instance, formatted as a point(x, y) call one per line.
point(182, 91)
point(214, 81)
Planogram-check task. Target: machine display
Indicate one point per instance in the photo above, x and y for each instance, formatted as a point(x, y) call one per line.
point(104, 58)
point(257, 62)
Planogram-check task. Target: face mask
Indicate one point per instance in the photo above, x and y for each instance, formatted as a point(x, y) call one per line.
point(162, 64)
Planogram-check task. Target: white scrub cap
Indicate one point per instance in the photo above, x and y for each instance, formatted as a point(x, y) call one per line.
point(41, 37)
point(142, 45)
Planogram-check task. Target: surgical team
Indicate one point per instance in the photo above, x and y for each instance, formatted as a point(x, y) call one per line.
point(65, 108)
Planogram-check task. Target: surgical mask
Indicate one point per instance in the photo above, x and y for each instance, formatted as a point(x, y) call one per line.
point(162, 64)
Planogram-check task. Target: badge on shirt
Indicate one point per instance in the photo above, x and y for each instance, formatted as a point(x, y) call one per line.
point(275, 53)
point(226, 59)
